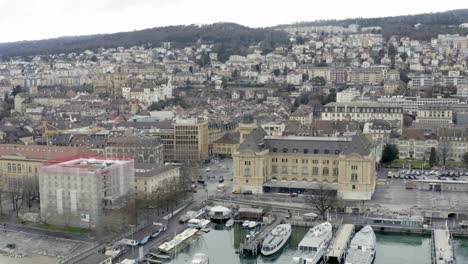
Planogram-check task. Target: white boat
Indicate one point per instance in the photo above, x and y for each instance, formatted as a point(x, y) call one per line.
point(200, 258)
point(276, 239)
point(362, 247)
point(229, 223)
point(167, 247)
point(249, 224)
point(312, 247)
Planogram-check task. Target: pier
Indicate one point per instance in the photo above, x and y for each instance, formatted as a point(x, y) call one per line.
point(337, 249)
point(253, 244)
point(443, 250)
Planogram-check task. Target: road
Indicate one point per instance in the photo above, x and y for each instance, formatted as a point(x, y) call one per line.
point(216, 168)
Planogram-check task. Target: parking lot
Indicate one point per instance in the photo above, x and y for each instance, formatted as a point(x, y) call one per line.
point(427, 174)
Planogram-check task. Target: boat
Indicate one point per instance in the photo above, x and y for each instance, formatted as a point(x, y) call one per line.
point(249, 224)
point(276, 239)
point(229, 223)
point(116, 251)
point(362, 247)
point(219, 214)
point(200, 258)
point(168, 247)
point(312, 247)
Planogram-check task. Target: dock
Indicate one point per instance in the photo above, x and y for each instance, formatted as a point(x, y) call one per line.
point(253, 244)
point(337, 249)
point(443, 250)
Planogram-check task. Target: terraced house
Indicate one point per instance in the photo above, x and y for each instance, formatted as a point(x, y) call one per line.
point(286, 164)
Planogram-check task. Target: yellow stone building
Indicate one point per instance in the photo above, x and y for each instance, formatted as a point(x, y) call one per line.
point(149, 178)
point(225, 146)
point(268, 164)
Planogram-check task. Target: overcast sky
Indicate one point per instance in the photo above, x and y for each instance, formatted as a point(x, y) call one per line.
point(40, 19)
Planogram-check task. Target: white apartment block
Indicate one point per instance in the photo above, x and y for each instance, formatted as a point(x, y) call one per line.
point(78, 191)
point(347, 95)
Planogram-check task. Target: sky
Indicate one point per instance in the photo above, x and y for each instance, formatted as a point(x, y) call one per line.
point(42, 19)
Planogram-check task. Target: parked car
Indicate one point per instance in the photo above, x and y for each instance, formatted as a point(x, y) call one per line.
point(293, 194)
point(248, 192)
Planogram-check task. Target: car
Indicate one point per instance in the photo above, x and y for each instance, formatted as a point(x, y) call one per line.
point(455, 179)
point(236, 192)
point(221, 179)
point(248, 192)
point(293, 194)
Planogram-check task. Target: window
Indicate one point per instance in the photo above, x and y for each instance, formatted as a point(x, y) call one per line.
point(9, 167)
point(315, 161)
point(325, 171)
point(296, 161)
point(315, 171)
point(304, 161)
point(316, 151)
point(246, 172)
point(247, 163)
point(354, 167)
point(335, 171)
point(353, 177)
point(294, 170)
point(285, 150)
point(274, 160)
point(306, 151)
point(284, 169)
point(327, 151)
point(305, 170)
point(275, 150)
point(19, 168)
point(335, 162)
point(326, 162)
point(354, 187)
point(13, 168)
point(274, 169)
point(284, 160)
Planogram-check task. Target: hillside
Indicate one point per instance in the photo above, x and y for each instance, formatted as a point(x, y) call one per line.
point(432, 24)
point(228, 38)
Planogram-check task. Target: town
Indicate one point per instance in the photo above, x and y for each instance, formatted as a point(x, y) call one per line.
point(129, 154)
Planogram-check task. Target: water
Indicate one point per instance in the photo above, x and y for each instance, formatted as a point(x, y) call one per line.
point(220, 246)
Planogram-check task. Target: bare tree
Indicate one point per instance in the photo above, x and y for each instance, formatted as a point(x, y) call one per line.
point(323, 200)
point(31, 191)
point(15, 192)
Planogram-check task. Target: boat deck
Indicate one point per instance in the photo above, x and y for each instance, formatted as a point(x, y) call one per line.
point(443, 246)
point(340, 242)
point(252, 246)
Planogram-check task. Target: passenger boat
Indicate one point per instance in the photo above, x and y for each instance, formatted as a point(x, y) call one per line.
point(312, 247)
point(276, 239)
point(362, 247)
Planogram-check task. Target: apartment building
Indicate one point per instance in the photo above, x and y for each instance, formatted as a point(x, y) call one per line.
point(143, 149)
point(344, 165)
point(411, 105)
point(22, 162)
point(363, 112)
point(149, 177)
point(347, 95)
point(370, 76)
point(435, 114)
point(227, 145)
point(78, 191)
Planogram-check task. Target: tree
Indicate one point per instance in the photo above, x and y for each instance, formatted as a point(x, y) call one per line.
point(323, 200)
point(407, 120)
point(465, 160)
point(433, 157)
point(319, 80)
point(16, 194)
point(276, 72)
point(389, 153)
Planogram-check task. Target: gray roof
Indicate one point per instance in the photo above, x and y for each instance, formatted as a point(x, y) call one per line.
point(361, 104)
point(254, 141)
point(357, 143)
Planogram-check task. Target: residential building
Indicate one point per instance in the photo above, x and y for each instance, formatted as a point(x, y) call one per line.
point(144, 149)
point(149, 177)
point(21, 162)
point(347, 95)
point(227, 145)
point(415, 144)
point(435, 113)
point(77, 191)
point(343, 164)
point(371, 75)
point(274, 128)
point(363, 111)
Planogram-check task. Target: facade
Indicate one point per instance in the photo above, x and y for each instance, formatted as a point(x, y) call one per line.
point(21, 162)
point(77, 191)
point(377, 130)
point(148, 178)
point(143, 149)
point(435, 114)
point(345, 165)
point(371, 76)
point(227, 145)
point(363, 112)
point(347, 95)
point(411, 105)
point(416, 144)
point(274, 128)
point(190, 140)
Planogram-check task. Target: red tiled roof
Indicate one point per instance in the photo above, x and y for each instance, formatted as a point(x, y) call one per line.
point(42, 152)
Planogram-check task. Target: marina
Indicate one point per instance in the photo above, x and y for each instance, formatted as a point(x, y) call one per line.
point(220, 245)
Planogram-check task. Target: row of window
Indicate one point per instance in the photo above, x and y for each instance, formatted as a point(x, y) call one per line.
point(304, 170)
point(304, 161)
point(305, 151)
point(17, 168)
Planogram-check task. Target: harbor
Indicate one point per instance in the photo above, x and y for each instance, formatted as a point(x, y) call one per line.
point(220, 245)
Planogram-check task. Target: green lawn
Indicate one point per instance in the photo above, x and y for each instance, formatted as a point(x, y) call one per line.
point(456, 164)
point(63, 228)
point(415, 164)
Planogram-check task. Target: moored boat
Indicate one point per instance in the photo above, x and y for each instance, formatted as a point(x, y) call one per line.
point(362, 247)
point(312, 247)
point(276, 239)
